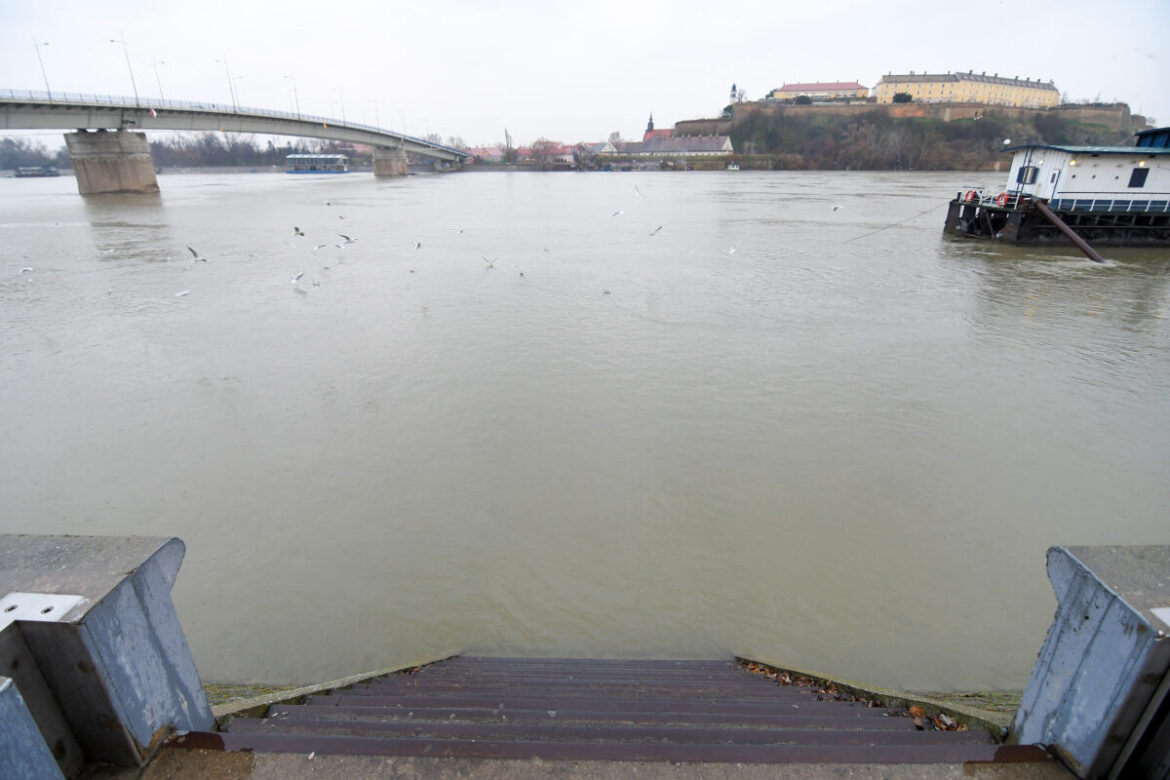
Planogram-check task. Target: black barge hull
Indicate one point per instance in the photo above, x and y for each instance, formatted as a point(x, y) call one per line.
point(1018, 221)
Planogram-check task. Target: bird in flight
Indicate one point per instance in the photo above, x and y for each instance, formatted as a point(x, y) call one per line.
point(348, 240)
point(490, 264)
point(195, 255)
point(297, 278)
point(655, 230)
point(297, 231)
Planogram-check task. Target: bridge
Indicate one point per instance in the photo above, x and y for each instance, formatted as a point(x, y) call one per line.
point(119, 161)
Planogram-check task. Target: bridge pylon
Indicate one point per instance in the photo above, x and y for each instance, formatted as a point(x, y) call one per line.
point(109, 162)
point(389, 161)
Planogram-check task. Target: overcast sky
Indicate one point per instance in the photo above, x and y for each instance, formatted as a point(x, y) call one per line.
point(569, 71)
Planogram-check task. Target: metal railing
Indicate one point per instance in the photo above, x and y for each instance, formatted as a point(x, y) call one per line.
point(1111, 204)
point(146, 104)
point(1010, 200)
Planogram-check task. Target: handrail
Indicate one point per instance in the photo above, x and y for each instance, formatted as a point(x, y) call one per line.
point(143, 104)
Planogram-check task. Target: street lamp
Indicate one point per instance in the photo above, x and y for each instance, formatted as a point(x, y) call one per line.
point(341, 99)
point(158, 79)
point(126, 51)
point(231, 87)
point(296, 100)
point(37, 47)
point(237, 89)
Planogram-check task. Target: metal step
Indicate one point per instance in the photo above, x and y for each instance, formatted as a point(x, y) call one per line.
point(606, 709)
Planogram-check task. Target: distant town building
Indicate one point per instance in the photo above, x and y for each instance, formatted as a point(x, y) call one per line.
point(683, 146)
point(834, 90)
point(601, 147)
point(492, 154)
point(969, 87)
point(652, 133)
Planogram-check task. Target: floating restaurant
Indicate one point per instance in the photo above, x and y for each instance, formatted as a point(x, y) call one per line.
point(1107, 195)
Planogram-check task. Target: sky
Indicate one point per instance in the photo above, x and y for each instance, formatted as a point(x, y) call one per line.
point(566, 71)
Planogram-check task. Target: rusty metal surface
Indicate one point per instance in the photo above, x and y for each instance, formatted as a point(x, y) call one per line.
point(615, 751)
point(574, 709)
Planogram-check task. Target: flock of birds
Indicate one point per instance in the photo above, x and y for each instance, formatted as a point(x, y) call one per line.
point(345, 240)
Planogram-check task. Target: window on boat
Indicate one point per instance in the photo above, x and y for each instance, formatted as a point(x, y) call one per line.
point(1027, 174)
point(1138, 177)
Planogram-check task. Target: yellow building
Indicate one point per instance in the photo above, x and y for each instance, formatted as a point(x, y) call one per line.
point(969, 87)
point(836, 90)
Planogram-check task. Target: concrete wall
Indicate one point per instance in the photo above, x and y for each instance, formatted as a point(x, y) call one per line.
point(105, 162)
point(697, 127)
point(1115, 117)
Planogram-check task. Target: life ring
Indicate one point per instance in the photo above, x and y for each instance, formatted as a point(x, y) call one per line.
point(970, 196)
point(1002, 199)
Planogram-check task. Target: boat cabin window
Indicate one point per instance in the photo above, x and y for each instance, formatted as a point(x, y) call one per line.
point(1027, 174)
point(1138, 177)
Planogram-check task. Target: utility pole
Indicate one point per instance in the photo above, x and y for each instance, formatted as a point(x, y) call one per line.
point(37, 45)
point(126, 51)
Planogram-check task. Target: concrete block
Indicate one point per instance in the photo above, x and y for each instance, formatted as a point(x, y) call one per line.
point(389, 161)
point(106, 163)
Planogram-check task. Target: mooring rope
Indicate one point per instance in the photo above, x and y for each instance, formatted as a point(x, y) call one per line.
point(895, 224)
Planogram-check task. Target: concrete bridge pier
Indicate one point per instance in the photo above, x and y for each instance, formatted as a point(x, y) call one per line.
point(389, 161)
point(109, 162)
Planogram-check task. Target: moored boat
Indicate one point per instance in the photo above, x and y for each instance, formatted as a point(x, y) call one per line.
point(316, 163)
point(36, 171)
point(1107, 195)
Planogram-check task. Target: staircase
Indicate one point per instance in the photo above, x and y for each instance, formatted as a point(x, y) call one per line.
point(615, 710)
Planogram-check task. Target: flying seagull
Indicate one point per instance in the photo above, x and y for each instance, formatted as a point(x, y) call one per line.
point(655, 230)
point(297, 278)
point(616, 213)
point(490, 263)
point(418, 245)
point(348, 240)
point(297, 231)
point(319, 246)
point(195, 255)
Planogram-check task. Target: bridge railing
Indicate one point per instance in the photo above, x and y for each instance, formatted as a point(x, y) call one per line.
point(145, 104)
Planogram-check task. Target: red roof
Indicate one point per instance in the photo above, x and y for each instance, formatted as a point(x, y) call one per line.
point(664, 133)
point(829, 86)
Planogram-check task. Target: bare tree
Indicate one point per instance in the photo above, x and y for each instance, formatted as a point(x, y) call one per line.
point(544, 152)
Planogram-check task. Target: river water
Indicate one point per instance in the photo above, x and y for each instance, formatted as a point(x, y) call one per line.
point(828, 437)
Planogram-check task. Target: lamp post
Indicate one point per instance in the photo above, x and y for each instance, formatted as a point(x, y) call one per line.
point(231, 87)
point(159, 79)
point(236, 88)
point(37, 46)
point(126, 51)
point(296, 100)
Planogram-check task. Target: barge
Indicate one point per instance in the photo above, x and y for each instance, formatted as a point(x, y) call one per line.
point(1057, 194)
point(36, 171)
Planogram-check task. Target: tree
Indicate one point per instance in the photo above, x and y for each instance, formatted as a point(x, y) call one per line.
point(803, 100)
point(583, 157)
point(544, 152)
point(15, 152)
point(903, 97)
